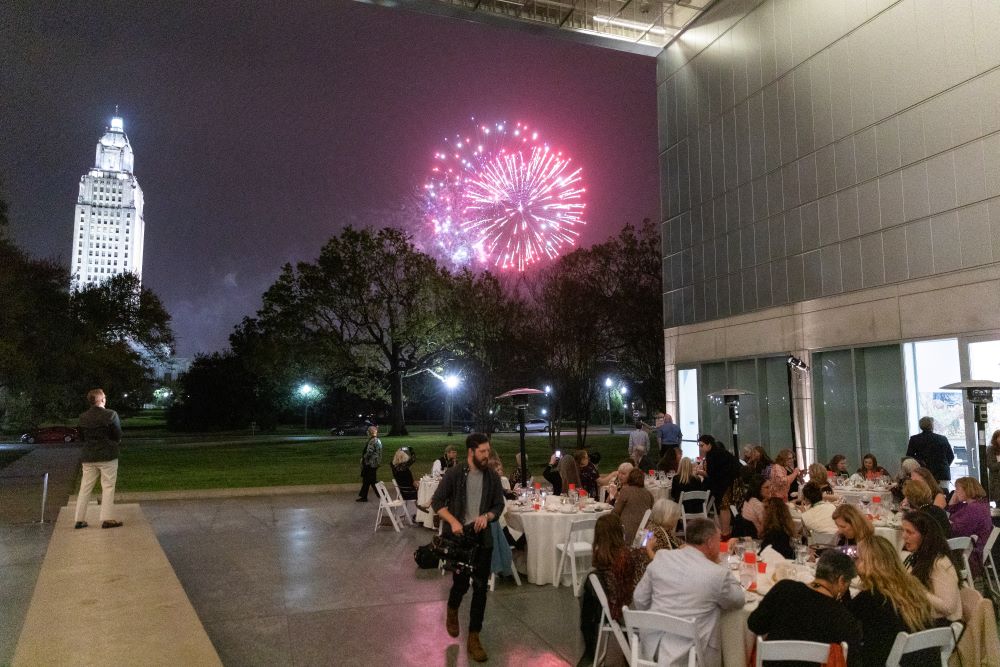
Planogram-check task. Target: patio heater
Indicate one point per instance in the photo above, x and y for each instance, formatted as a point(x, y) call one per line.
point(794, 365)
point(980, 394)
point(731, 397)
point(522, 408)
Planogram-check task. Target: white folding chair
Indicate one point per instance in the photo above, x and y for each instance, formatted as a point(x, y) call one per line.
point(963, 544)
point(990, 572)
point(602, 494)
point(651, 621)
point(411, 505)
point(575, 546)
point(513, 567)
point(505, 483)
point(704, 496)
point(940, 638)
point(608, 624)
point(394, 509)
point(641, 530)
point(794, 650)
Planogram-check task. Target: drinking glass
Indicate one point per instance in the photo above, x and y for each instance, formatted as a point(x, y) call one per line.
point(801, 554)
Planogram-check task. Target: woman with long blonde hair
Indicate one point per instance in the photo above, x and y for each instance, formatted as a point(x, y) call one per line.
point(686, 480)
point(891, 600)
point(852, 526)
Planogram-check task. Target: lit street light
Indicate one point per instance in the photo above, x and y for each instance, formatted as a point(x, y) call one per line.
point(611, 424)
point(624, 394)
point(451, 383)
point(306, 391)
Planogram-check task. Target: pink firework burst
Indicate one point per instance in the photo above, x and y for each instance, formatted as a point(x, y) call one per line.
point(498, 196)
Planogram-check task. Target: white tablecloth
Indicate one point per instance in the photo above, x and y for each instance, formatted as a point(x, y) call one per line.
point(426, 489)
point(544, 530)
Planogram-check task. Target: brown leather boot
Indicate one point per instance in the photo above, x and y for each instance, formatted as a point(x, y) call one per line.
point(452, 622)
point(476, 650)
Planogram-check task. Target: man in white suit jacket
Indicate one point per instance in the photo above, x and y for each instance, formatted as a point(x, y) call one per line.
point(690, 583)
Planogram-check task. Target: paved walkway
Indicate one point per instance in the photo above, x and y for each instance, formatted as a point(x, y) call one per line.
point(304, 580)
point(110, 597)
point(23, 540)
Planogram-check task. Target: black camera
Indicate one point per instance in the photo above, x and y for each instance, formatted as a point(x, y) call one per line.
point(457, 552)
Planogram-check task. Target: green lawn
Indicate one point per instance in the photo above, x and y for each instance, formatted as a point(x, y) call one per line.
point(8, 456)
point(158, 465)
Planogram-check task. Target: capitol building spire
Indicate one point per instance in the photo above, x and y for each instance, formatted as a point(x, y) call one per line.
point(108, 228)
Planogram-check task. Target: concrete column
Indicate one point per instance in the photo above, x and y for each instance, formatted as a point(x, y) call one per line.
point(802, 399)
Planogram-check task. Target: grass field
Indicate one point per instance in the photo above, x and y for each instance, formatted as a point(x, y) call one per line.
point(155, 464)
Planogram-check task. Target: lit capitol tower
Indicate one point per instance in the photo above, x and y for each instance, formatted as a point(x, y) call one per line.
point(108, 228)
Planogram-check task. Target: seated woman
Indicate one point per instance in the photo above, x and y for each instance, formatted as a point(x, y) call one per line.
point(969, 512)
point(838, 466)
point(756, 460)
point(917, 496)
point(817, 516)
point(852, 526)
point(616, 480)
point(515, 474)
point(818, 475)
point(641, 460)
point(632, 503)
point(938, 496)
point(753, 509)
point(619, 568)
point(552, 476)
point(891, 601)
point(779, 530)
point(662, 524)
point(401, 462)
point(870, 469)
point(687, 480)
point(589, 474)
point(783, 474)
point(931, 562)
point(670, 460)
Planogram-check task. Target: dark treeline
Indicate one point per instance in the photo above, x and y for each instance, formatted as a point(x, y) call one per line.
point(56, 343)
point(372, 324)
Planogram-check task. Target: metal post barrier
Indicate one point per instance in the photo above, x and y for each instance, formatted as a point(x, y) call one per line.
point(45, 495)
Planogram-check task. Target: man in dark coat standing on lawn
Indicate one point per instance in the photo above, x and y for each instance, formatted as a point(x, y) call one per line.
point(932, 450)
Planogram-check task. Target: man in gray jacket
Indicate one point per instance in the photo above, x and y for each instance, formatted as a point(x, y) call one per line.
point(101, 432)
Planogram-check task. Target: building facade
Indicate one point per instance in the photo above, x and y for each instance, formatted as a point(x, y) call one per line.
point(108, 226)
point(830, 187)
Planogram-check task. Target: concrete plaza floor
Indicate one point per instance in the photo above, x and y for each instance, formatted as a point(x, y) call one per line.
point(304, 580)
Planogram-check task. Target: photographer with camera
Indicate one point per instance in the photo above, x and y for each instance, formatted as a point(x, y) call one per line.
point(467, 500)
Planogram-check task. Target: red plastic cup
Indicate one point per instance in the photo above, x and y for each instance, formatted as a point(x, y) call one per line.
point(761, 567)
point(829, 473)
point(876, 499)
point(572, 487)
point(749, 557)
point(583, 493)
point(724, 546)
point(538, 485)
point(652, 473)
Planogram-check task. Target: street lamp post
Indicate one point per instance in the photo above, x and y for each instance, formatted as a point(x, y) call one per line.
point(611, 422)
point(547, 412)
point(624, 418)
point(306, 391)
point(451, 382)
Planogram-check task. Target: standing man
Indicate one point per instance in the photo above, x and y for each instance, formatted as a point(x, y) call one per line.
point(371, 459)
point(668, 433)
point(468, 498)
point(932, 450)
point(704, 589)
point(638, 438)
point(101, 432)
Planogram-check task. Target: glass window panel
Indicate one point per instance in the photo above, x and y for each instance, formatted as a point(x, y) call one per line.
point(714, 413)
point(984, 364)
point(881, 404)
point(743, 375)
point(687, 419)
point(931, 364)
point(834, 405)
point(776, 424)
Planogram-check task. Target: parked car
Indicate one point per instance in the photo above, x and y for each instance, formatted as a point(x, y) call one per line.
point(536, 425)
point(351, 428)
point(51, 434)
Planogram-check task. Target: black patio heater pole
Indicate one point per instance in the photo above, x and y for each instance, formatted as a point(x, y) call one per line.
point(524, 456)
point(734, 417)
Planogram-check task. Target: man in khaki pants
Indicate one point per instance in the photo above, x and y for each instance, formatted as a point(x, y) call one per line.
point(101, 432)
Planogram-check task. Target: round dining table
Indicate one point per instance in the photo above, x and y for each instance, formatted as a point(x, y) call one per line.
point(544, 529)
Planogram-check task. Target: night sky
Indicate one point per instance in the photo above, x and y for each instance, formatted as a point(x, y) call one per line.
point(261, 129)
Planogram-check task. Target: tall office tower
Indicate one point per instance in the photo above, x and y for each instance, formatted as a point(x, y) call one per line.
point(108, 228)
